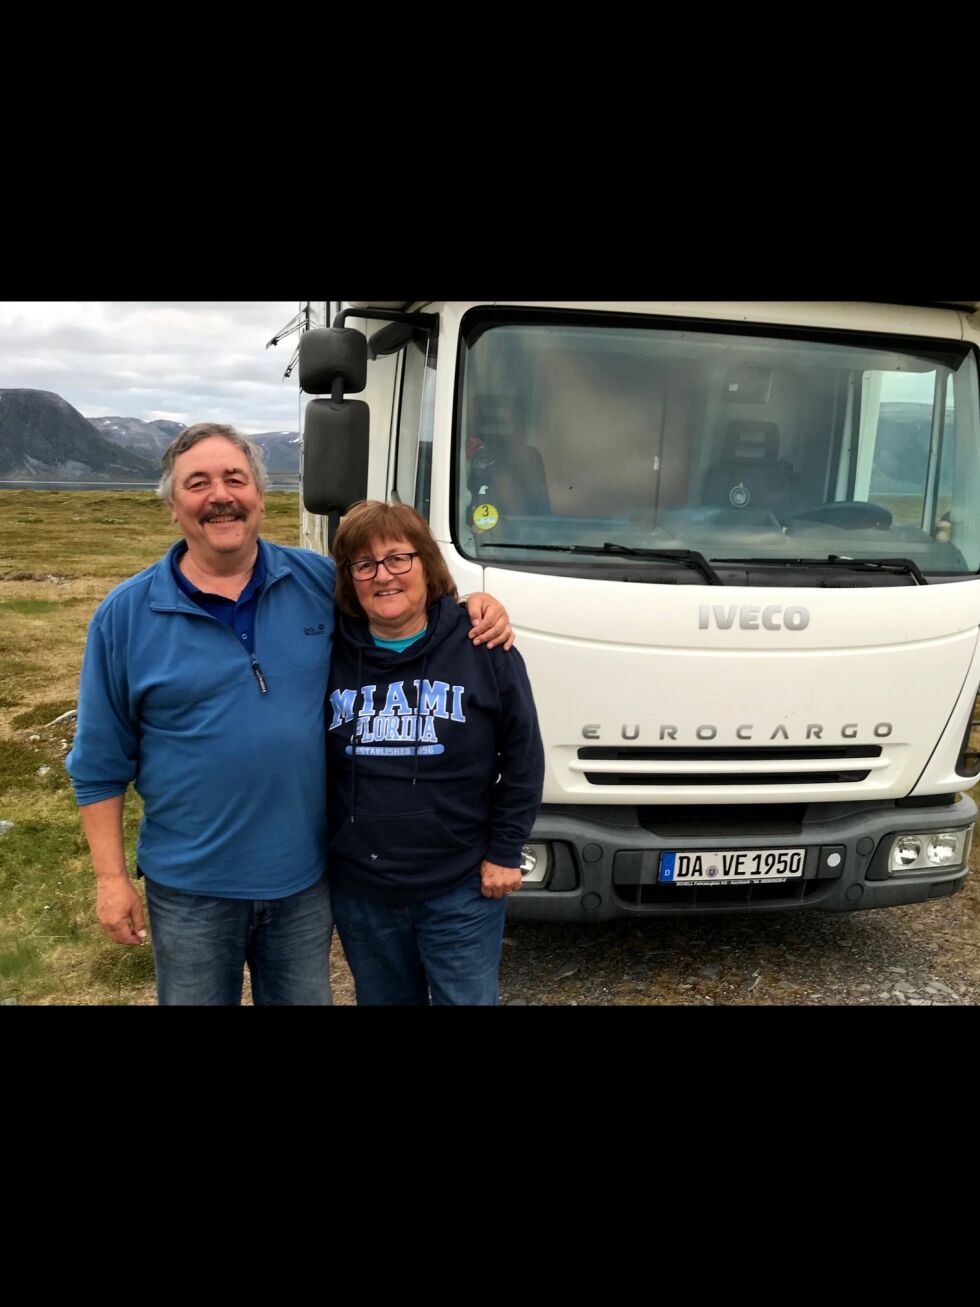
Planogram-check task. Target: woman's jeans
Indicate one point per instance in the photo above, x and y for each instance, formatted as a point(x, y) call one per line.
point(201, 946)
point(400, 953)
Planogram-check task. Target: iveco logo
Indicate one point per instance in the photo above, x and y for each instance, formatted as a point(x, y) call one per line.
point(752, 617)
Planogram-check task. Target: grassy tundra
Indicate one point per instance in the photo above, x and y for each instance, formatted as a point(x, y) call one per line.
point(60, 554)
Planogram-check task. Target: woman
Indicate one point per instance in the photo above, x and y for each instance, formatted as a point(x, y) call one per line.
point(436, 768)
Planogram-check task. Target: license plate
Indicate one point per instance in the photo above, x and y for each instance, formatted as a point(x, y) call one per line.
point(731, 866)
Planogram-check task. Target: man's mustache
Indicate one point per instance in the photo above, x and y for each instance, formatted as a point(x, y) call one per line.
point(229, 511)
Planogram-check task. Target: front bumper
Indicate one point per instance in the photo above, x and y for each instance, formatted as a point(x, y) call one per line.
point(606, 861)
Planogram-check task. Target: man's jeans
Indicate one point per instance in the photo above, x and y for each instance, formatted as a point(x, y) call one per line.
point(400, 952)
point(201, 946)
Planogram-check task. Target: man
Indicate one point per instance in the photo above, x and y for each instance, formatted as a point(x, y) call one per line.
point(204, 682)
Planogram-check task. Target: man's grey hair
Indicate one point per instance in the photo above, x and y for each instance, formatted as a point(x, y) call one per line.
point(189, 437)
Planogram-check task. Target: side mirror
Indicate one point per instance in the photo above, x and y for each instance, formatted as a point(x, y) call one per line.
point(390, 339)
point(332, 355)
point(335, 455)
point(333, 360)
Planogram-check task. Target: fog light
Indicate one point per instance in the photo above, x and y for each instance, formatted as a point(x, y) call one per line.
point(930, 850)
point(906, 851)
point(535, 864)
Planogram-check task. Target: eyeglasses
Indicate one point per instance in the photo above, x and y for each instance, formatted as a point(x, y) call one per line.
point(365, 569)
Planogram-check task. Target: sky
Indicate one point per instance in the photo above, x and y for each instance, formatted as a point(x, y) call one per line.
point(189, 362)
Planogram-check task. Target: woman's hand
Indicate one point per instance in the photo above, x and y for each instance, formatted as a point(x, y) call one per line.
point(496, 881)
point(491, 625)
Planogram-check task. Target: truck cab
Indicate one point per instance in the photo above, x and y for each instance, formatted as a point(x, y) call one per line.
point(739, 545)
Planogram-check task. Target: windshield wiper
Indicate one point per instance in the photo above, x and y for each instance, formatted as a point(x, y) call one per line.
point(899, 566)
point(689, 557)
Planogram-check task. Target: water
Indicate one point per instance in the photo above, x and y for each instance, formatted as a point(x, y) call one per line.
point(275, 483)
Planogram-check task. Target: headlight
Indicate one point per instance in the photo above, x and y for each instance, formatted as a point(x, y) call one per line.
point(930, 850)
point(906, 851)
point(941, 850)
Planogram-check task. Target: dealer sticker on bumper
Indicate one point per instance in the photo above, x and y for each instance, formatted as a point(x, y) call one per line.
point(731, 866)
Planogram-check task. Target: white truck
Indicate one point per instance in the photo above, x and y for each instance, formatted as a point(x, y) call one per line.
point(740, 545)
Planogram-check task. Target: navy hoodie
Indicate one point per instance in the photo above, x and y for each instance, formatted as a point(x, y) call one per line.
point(435, 759)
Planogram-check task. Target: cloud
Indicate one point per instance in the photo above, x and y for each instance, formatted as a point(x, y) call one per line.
point(188, 361)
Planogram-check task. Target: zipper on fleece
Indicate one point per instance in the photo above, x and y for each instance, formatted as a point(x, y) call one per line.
point(258, 674)
point(188, 605)
point(196, 610)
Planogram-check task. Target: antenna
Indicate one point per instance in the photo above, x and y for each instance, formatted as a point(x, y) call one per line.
point(301, 321)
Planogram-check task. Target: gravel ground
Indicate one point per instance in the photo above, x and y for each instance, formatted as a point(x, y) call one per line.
point(921, 954)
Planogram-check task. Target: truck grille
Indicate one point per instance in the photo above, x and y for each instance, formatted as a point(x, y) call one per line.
point(753, 765)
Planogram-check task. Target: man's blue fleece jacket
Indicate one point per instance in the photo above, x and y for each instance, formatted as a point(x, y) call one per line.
point(226, 749)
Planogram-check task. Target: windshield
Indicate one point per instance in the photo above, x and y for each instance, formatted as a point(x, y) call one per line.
point(736, 446)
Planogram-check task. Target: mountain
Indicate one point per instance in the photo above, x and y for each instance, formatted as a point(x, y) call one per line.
point(170, 429)
point(43, 438)
point(281, 450)
point(148, 439)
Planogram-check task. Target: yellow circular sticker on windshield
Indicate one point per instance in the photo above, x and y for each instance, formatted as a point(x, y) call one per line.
point(485, 517)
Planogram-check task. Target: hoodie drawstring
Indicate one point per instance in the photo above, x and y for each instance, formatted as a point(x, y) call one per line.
point(418, 701)
point(353, 745)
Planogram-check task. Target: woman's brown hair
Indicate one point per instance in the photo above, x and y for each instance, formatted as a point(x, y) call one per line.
point(371, 521)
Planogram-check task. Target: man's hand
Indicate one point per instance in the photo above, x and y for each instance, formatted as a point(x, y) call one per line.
point(491, 625)
point(120, 909)
point(117, 905)
point(496, 881)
